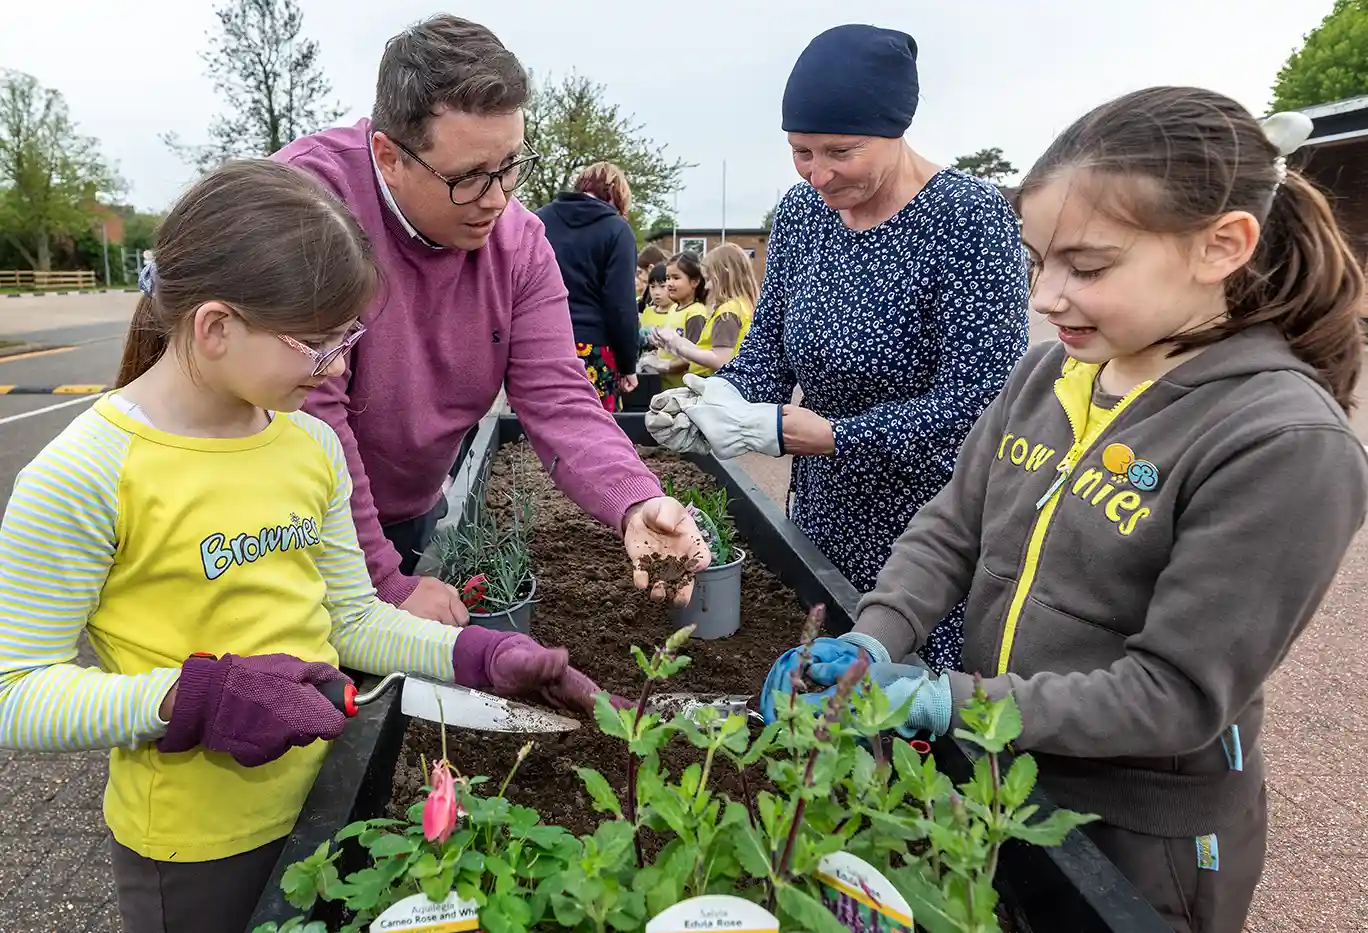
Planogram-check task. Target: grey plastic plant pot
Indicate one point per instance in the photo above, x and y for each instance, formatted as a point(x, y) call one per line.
point(513, 619)
point(715, 606)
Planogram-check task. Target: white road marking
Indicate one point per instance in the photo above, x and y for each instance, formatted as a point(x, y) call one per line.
point(84, 400)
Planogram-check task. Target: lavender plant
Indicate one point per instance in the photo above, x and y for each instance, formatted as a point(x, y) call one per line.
point(489, 560)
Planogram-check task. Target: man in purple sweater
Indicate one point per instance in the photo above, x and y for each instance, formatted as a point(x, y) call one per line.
point(473, 302)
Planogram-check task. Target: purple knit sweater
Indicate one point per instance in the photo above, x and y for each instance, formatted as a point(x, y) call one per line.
point(456, 326)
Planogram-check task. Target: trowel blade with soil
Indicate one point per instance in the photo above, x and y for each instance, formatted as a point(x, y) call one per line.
point(687, 704)
point(464, 708)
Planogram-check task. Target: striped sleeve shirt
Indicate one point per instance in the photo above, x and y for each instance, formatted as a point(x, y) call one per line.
point(112, 531)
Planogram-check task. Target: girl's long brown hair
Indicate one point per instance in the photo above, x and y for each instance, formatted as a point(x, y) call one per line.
point(730, 275)
point(1198, 155)
point(263, 238)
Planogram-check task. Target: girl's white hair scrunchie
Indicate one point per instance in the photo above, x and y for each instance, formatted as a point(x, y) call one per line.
point(1287, 131)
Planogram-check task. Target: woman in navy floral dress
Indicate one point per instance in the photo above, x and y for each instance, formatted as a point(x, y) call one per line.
point(895, 296)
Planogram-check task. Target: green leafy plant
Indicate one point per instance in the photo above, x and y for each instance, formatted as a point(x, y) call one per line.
point(709, 510)
point(489, 560)
point(833, 781)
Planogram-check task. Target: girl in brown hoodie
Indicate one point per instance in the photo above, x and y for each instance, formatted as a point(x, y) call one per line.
point(1153, 509)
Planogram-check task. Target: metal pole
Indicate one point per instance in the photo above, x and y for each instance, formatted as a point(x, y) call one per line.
point(724, 200)
point(104, 235)
point(674, 227)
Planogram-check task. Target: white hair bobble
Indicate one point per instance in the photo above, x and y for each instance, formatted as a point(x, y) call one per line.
point(147, 279)
point(1287, 131)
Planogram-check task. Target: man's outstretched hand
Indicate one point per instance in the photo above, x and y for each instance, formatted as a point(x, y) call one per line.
point(663, 528)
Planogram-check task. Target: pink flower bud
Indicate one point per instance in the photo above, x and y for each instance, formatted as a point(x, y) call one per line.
point(441, 812)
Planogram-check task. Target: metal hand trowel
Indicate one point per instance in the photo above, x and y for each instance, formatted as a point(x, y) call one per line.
point(451, 705)
point(687, 704)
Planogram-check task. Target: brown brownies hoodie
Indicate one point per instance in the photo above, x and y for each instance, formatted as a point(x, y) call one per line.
point(1134, 578)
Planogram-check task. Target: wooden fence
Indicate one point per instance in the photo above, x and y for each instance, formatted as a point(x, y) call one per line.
point(47, 280)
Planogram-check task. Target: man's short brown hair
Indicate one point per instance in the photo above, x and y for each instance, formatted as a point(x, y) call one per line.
point(443, 63)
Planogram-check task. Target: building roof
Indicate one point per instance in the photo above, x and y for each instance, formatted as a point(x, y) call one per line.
point(712, 231)
point(1338, 122)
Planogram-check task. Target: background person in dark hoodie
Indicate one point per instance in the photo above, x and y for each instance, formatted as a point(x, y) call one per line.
point(596, 252)
point(1152, 511)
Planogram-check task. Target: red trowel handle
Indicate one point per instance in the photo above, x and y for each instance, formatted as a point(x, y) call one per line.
point(342, 694)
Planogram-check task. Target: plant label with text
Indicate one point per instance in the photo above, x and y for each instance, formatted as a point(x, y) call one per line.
point(417, 914)
point(714, 913)
point(861, 897)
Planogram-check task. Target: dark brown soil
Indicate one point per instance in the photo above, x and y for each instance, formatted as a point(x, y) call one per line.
point(674, 571)
point(586, 602)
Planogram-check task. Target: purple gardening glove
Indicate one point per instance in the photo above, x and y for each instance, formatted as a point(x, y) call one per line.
point(512, 664)
point(254, 708)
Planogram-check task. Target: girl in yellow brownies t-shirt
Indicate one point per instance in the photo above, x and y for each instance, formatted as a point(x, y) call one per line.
point(197, 527)
point(657, 310)
point(711, 339)
point(687, 288)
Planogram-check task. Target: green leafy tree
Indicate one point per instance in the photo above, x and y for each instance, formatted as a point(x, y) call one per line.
point(987, 164)
point(271, 81)
point(573, 125)
point(661, 225)
point(767, 222)
point(140, 229)
point(87, 250)
point(51, 176)
point(1332, 63)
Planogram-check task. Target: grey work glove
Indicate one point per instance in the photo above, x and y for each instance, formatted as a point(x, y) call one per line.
point(671, 428)
point(652, 363)
point(732, 425)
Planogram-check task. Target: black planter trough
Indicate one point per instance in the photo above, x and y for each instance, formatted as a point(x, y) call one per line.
point(648, 386)
point(1071, 887)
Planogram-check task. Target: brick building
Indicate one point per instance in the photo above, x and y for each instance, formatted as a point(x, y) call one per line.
point(1336, 158)
point(751, 239)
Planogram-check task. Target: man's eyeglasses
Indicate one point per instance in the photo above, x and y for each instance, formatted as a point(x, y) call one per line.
point(324, 358)
point(470, 187)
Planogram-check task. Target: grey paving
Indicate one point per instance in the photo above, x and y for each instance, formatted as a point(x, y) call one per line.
point(54, 868)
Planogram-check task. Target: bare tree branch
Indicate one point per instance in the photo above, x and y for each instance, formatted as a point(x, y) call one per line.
point(272, 84)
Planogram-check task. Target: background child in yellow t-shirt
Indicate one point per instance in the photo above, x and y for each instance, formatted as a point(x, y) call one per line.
point(688, 289)
point(710, 339)
point(196, 526)
point(658, 309)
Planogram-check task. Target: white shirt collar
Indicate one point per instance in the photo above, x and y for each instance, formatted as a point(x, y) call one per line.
point(385, 192)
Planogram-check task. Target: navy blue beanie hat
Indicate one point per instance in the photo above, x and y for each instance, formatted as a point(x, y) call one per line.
point(854, 81)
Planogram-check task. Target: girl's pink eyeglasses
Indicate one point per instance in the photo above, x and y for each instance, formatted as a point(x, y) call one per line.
point(323, 358)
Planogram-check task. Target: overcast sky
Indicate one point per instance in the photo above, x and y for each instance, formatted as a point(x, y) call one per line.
point(706, 77)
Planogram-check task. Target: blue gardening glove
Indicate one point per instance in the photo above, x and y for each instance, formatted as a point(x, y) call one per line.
point(831, 656)
point(826, 672)
point(931, 700)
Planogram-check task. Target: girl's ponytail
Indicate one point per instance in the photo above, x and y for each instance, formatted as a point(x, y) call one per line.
point(147, 341)
point(1306, 279)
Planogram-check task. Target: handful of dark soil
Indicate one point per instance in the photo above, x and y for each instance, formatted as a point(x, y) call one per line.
point(675, 571)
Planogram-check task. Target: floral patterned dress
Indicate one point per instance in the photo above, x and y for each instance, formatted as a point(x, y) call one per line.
point(900, 336)
point(600, 365)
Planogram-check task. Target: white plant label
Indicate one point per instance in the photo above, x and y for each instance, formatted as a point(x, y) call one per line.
point(860, 896)
point(714, 913)
point(417, 914)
